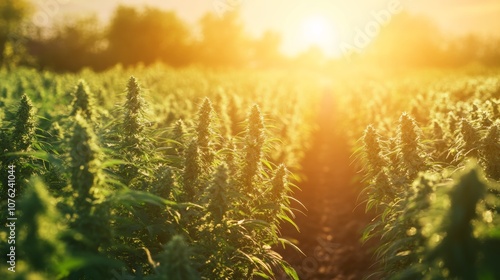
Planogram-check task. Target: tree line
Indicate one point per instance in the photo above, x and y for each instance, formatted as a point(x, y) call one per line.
point(149, 35)
point(134, 36)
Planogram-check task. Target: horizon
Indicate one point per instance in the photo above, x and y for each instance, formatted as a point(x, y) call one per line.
point(333, 25)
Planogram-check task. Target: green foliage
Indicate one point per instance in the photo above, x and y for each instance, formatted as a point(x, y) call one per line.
point(437, 208)
point(90, 214)
point(205, 134)
point(24, 126)
point(192, 170)
point(279, 183)
point(179, 135)
point(219, 193)
point(470, 139)
point(19, 136)
point(409, 147)
point(458, 248)
point(491, 151)
point(133, 121)
point(373, 150)
point(84, 161)
point(12, 15)
point(254, 142)
point(83, 102)
point(40, 242)
point(167, 195)
point(175, 261)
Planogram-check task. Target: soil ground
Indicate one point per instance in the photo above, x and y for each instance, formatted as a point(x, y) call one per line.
point(330, 232)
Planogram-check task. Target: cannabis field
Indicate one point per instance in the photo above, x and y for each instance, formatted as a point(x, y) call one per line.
point(156, 173)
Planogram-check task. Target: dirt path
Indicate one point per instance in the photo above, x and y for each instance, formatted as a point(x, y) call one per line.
point(331, 231)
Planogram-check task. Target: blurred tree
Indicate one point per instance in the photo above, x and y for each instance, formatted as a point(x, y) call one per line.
point(151, 35)
point(71, 45)
point(491, 55)
point(12, 15)
point(460, 51)
point(267, 50)
point(223, 41)
point(148, 36)
point(407, 41)
point(473, 48)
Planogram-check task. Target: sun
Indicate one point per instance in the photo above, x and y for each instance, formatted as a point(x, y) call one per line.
point(316, 25)
point(319, 31)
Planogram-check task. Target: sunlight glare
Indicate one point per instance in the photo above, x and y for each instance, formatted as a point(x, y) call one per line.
point(319, 31)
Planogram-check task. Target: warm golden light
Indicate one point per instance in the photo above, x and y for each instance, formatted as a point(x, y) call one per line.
point(315, 29)
point(319, 31)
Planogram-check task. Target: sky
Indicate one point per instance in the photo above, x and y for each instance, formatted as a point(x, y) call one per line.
point(303, 23)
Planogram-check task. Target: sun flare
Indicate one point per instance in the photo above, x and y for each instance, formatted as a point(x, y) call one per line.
point(319, 31)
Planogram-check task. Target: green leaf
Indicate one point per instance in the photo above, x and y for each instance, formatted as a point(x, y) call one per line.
point(133, 197)
point(289, 270)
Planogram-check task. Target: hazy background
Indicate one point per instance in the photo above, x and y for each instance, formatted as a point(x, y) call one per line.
point(67, 35)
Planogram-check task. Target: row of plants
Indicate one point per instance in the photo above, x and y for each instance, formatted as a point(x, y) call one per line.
point(148, 190)
point(432, 176)
point(192, 176)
